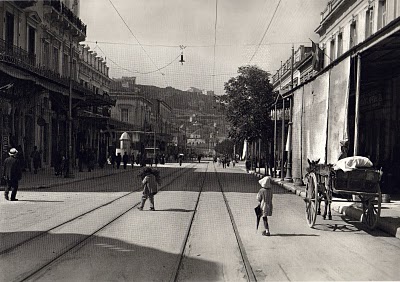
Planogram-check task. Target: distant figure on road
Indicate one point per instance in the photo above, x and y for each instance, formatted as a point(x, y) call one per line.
point(156, 160)
point(12, 173)
point(58, 163)
point(180, 158)
point(90, 159)
point(35, 156)
point(264, 196)
point(118, 159)
point(125, 159)
point(199, 158)
point(133, 160)
point(150, 180)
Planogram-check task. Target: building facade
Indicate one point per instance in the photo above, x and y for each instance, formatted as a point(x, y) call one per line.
point(147, 121)
point(355, 97)
point(40, 91)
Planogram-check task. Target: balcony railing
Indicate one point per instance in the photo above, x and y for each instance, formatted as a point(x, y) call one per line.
point(25, 4)
point(14, 54)
point(329, 8)
point(66, 12)
point(20, 58)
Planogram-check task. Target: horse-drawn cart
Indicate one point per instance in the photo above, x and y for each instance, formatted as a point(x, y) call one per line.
point(322, 181)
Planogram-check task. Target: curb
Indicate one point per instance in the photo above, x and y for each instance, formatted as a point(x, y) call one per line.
point(348, 211)
point(68, 181)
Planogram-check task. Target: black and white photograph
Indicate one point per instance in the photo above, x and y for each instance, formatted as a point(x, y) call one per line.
point(199, 140)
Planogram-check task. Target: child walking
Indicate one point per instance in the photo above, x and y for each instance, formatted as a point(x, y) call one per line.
point(150, 181)
point(264, 196)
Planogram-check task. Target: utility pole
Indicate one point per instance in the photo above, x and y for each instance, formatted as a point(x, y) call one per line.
point(69, 173)
point(289, 156)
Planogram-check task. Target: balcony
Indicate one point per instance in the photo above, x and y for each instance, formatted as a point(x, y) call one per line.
point(59, 9)
point(16, 55)
point(25, 4)
point(21, 59)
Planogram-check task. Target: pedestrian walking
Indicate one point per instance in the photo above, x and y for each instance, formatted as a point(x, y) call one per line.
point(102, 159)
point(118, 159)
point(150, 181)
point(21, 158)
point(58, 163)
point(125, 159)
point(264, 196)
point(90, 158)
point(35, 156)
point(12, 173)
point(133, 159)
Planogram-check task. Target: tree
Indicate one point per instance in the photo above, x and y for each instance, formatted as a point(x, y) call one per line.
point(225, 147)
point(248, 99)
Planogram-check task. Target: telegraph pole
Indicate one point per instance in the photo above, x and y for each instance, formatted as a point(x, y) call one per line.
point(289, 155)
point(69, 173)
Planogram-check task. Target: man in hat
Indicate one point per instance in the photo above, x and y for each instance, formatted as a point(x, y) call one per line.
point(344, 148)
point(12, 173)
point(150, 181)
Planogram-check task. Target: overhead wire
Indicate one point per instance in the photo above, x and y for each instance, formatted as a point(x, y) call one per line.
point(266, 30)
point(197, 46)
point(144, 50)
point(135, 71)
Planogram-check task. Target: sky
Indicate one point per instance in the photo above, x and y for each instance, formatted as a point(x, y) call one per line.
point(143, 38)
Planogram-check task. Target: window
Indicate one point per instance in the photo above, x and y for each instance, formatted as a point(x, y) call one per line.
point(369, 22)
point(353, 34)
point(31, 40)
point(65, 65)
point(382, 13)
point(340, 44)
point(31, 45)
point(46, 54)
point(124, 115)
point(9, 35)
point(74, 70)
point(56, 61)
point(332, 51)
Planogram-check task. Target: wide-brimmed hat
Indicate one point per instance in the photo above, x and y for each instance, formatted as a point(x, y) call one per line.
point(265, 182)
point(13, 152)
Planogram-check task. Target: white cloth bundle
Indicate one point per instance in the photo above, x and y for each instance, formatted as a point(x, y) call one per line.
point(351, 163)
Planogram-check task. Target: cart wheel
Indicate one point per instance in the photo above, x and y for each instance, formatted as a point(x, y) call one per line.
point(311, 199)
point(372, 210)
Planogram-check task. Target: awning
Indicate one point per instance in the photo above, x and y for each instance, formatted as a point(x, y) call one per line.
point(89, 115)
point(99, 100)
point(15, 72)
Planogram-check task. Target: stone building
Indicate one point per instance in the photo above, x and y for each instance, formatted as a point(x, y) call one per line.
point(147, 121)
point(39, 77)
point(356, 94)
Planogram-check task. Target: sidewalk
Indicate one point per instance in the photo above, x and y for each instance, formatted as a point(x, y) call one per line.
point(46, 177)
point(390, 212)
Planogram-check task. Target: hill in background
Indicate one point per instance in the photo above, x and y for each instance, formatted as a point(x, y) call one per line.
point(182, 100)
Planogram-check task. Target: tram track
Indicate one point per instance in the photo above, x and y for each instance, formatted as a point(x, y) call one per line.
point(54, 256)
point(248, 269)
point(73, 244)
point(9, 249)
